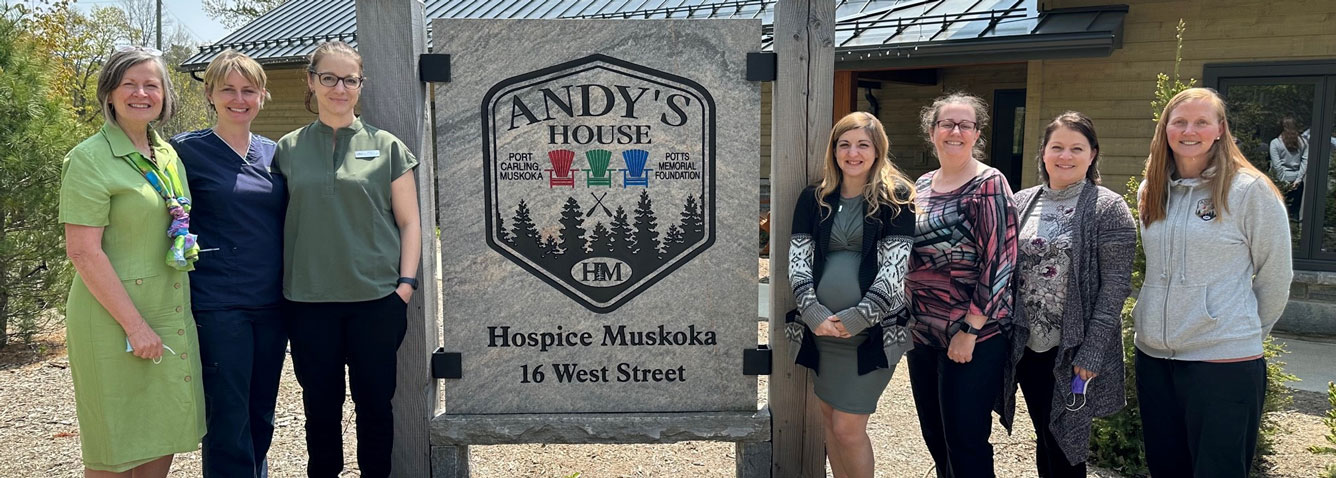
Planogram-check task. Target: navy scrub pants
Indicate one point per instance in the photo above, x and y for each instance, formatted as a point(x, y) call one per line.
point(365, 336)
point(955, 405)
point(1200, 419)
point(242, 354)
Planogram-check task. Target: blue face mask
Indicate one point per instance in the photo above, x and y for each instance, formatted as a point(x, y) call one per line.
point(1078, 393)
point(129, 348)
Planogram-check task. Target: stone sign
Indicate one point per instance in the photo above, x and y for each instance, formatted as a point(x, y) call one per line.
point(598, 204)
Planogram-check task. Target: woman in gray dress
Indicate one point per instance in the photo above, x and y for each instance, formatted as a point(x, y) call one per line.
point(1076, 241)
point(847, 260)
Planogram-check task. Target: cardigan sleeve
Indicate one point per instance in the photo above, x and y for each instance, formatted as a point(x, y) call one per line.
point(993, 223)
point(802, 254)
point(886, 296)
point(1116, 246)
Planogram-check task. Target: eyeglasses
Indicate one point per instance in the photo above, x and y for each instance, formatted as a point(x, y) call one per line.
point(965, 126)
point(128, 48)
point(331, 80)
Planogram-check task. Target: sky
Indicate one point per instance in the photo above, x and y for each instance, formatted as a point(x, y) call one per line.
point(185, 12)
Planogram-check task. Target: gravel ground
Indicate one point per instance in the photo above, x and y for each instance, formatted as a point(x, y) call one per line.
point(39, 435)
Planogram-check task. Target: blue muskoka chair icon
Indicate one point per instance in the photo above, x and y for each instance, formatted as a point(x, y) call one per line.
point(635, 173)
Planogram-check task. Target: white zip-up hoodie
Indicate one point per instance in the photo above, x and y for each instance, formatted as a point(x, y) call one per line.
point(1216, 281)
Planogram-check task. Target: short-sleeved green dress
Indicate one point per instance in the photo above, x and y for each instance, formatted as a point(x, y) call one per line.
point(131, 410)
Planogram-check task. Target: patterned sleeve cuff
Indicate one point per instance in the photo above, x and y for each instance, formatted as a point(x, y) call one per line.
point(816, 314)
point(853, 320)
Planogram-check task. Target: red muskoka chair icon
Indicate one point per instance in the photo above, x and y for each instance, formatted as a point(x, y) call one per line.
point(635, 173)
point(560, 174)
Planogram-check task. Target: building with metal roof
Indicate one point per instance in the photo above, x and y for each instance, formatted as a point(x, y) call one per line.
point(1029, 59)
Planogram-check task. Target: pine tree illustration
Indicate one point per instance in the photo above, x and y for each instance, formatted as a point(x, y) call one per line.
point(572, 235)
point(600, 240)
point(550, 247)
point(646, 237)
point(522, 229)
point(672, 241)
point(501, 233)
point(693, 225)
point(621, 232)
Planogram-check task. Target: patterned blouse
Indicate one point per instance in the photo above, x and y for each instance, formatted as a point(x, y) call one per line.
point(964, 257)
point(1045, 262)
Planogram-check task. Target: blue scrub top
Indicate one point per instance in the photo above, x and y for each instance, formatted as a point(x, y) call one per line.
point(238, 212)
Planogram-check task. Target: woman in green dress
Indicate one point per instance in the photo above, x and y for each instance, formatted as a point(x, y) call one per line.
point(125, 205)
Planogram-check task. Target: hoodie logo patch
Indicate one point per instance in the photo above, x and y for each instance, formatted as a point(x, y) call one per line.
point(1206, 209)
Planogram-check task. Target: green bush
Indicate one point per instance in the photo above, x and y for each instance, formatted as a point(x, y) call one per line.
point(1330, 421)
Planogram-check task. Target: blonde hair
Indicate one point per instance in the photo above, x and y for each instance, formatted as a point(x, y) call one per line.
point(113, 71)
point(326, 49)
point(1224, 156)
point(230, 61)
point(886, 184)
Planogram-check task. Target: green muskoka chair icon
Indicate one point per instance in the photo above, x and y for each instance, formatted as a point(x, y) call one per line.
point(598, 174)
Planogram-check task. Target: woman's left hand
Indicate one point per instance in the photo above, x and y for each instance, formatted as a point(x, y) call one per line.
point(1083, 373)
point(405, 292)
point(961, 349)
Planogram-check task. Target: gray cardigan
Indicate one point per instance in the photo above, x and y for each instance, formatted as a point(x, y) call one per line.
point(1103, 244)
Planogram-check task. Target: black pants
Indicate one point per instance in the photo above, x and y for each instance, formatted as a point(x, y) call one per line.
point(1035, 375)
point(242, 353)
point(1200, 419)
point(365, 336)
point(955, 403)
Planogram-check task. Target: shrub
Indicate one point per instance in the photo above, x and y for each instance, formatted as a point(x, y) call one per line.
point(1330, 421)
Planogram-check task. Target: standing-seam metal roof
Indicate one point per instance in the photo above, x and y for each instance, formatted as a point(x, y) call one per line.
point(288, 33)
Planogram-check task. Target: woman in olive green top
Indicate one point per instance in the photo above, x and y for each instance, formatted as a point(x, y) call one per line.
point(130, 334)
point(351, 244)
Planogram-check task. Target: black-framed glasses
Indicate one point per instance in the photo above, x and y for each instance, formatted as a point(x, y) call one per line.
point(965, 126)
point(331, 80)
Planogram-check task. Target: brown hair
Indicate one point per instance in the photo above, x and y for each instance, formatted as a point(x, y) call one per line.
point(1224, 156)
point(886, 184)
point(113, 71)
point(928, 117)
point(325, 49)
point(1289, 133)
point(230, 61)
point(1079, 123)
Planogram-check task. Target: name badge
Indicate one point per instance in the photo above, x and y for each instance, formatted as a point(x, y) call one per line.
point(367, 154)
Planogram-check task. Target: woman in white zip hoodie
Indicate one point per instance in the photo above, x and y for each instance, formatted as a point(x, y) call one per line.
point(1218, 276)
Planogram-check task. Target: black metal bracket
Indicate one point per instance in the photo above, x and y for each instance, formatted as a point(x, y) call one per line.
point(762, 65)
point(434, 67)
point(756, 361)
point(446, 364)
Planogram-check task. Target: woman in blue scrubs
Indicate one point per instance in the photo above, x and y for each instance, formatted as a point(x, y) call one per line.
point(236, 288)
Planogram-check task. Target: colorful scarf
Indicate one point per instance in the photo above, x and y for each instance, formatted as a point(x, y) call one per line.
point(184, 251)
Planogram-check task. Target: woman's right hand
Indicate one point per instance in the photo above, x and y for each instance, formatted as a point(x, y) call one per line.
point(832, 328)
point(146, 343)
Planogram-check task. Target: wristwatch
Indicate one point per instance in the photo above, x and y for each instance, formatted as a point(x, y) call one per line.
point(967, 328)
point(407, 280)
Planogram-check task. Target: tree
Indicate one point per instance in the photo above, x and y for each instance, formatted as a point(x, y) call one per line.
point(523, 231)
point(235, 13)
point(35, 127)
point(672, 241)
point(572, 235)
point(600, 240)
point(693, 222)
point(646, 235)
point(621, 232)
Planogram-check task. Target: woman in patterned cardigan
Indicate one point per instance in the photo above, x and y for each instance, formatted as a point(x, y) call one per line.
point(960, 284)
point(847, 263)
point(1076, 244)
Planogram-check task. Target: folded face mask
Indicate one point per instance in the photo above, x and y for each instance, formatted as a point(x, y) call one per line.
point(1078, 393)
point(131, 349)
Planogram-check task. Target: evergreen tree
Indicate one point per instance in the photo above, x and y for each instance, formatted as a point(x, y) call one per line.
point(572, 235)
point(501, 234)
point(36, 129)
point(522, 229)
point(646, 235)
point(673, 241)
point(693, 224)
point(550, 247)
point(600, 240)
point(621, 232)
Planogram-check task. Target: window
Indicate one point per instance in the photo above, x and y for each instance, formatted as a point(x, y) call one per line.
point(1283, 116)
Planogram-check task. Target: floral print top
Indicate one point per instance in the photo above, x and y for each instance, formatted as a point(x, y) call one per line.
point(1045, 249)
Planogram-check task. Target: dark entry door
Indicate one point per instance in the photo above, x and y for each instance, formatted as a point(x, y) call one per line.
point(1009, 134)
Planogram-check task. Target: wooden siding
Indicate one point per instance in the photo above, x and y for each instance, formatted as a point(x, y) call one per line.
point(900, 105)
point(1116, 91)
point(285, 110)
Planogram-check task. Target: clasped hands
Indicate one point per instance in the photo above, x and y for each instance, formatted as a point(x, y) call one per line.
point(832, 327)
